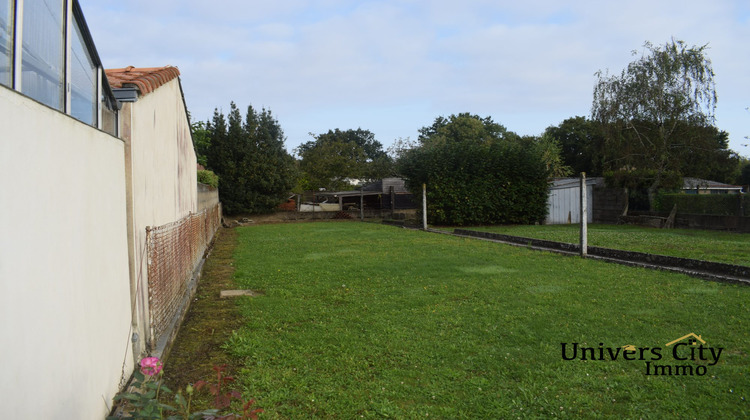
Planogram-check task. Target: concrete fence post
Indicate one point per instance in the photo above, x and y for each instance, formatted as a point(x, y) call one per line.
point(584, 217)
point(393, 201)
point(424, 206)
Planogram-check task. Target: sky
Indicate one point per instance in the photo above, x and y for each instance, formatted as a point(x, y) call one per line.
point(393, 66)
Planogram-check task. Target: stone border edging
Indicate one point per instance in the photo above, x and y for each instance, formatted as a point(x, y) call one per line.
point(707, 269)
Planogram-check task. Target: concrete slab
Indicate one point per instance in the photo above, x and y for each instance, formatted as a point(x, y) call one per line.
point(234, 293)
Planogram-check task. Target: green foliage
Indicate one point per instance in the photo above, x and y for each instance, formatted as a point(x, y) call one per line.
point(708, 156)
point(477, 172)
point(333, 157)
point(716, 204)
point(209, 178)
point(652, 112)
point(744, 176)
point(255, 170)
point(201, 141)
point(641, 179)
point(146, 395)
point(580, 141)
point(145, 401)
point(550, 150)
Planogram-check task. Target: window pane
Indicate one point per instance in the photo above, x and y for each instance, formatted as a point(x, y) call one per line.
point(83, 101)
point(42, 66)
point(6, 41)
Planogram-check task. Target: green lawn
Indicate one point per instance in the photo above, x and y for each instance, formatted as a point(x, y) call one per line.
point(726, 247)
point(368, 321)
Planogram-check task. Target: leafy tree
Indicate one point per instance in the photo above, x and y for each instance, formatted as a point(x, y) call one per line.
point(549, 150)
point(209, 178)
point(709, 156)
point(336, 156)
point(399, 146)
point(201, 141)
point(580, 141)
point(645, 110)
point(744, 177)
point(464, 127)
point(476, 172)
point(218, 156)
point(249, 157)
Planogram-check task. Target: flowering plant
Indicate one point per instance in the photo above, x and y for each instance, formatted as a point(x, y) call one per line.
point(143, 398)
point(151, 366)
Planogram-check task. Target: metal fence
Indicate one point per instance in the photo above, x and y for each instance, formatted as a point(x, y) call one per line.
point(174, 252)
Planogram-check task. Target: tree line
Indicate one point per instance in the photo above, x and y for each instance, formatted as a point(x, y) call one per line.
point(650, 125)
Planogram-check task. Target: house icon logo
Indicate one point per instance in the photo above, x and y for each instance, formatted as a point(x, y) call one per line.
point(692, 338)
point(629, 347)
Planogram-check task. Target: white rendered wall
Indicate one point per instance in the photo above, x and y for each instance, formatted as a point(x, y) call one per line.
point(64, 287)
point(164, 176)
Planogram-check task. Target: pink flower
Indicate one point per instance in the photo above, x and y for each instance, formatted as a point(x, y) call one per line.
point(151, 366)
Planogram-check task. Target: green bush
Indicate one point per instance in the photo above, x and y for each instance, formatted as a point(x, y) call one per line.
point(208, 178)
point(715, 204)
point(477, 177)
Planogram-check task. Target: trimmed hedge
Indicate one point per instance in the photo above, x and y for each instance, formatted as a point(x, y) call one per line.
point(471, 183)
point(715, 204)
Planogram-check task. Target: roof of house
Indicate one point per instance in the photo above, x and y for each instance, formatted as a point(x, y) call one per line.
point(693, 183)
point(145, 79)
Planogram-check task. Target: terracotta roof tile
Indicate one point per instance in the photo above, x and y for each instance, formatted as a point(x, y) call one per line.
point(145, 79)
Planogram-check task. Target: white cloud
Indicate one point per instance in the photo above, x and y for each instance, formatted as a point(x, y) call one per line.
point(393, 66)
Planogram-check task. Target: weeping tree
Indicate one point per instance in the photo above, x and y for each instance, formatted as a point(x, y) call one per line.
point(649, 113)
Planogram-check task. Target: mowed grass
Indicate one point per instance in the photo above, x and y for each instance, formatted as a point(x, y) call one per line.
point(368, 321)
point(725, 247)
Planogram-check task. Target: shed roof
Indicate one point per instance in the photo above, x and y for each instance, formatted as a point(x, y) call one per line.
point(562, 183)
point(146, 79)
point(693, 183)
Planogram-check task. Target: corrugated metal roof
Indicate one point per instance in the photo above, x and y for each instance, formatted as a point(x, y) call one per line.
point(145, 79)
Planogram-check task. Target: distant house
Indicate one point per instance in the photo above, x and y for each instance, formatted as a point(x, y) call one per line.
point(704, 186)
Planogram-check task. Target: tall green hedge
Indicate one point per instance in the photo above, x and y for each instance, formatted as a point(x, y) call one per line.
point(490, 182)
point(255, 170)
point(716, 204)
